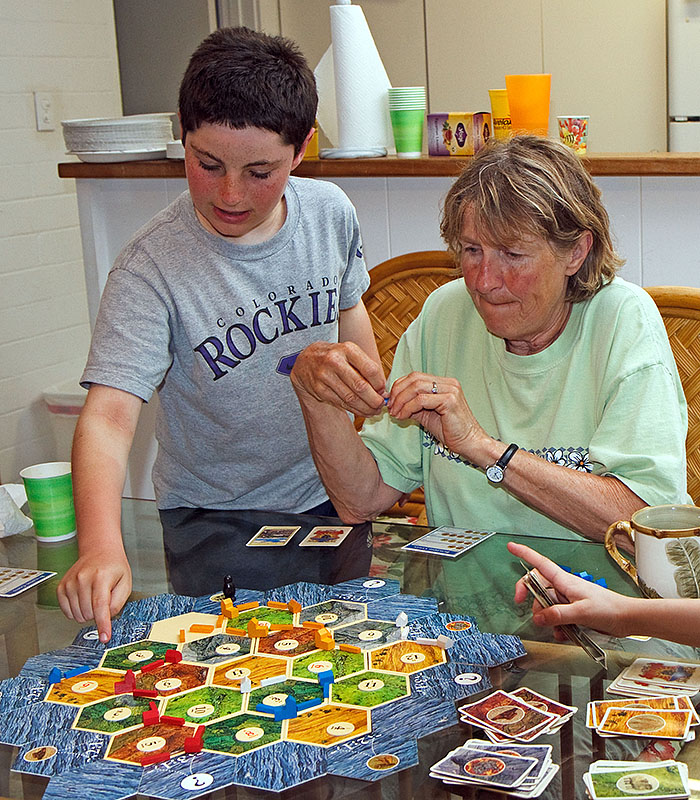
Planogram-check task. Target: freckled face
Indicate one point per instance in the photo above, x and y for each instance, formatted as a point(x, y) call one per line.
point(519, 290)
point(237, 180)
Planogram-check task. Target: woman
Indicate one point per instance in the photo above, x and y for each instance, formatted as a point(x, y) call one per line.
point(540, 345)
point(584, 603)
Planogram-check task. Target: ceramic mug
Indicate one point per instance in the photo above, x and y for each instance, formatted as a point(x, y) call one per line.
point(666, 543)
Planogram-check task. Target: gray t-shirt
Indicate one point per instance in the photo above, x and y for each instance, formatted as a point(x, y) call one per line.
point(213, 326)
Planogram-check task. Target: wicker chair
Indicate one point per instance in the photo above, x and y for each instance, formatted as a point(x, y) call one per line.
point(680, 310)
point(397, 290)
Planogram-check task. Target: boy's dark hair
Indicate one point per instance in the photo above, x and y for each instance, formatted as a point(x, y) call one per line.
point(241, 78)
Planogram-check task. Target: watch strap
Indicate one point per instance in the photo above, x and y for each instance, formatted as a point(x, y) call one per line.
point(510, 451)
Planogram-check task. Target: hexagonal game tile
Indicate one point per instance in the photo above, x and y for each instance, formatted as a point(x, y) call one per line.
point(308, 666)
point(113, 715)
point(216, 649)
point(333, 613)
point(172, 678)
point(288, 643)
point(205, 704)
point(406, 657)
point(254, 667)
point(328, 725)
point(264, 615)
point(369, 689)
point(168, 630)
point(134, 655)
point(241, 734)
point(368, 635)
point(276, 693)
point(131, 746)
point(88, 687)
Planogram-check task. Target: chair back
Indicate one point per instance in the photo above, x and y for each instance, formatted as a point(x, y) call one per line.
point(680, 310)
point(397, 290)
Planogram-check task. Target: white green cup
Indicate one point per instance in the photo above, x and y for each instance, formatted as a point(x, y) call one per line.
point(407, 125)
point(50, 496)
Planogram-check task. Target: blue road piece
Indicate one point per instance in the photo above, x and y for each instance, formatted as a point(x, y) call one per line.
point(307, 704)
point(77, 671)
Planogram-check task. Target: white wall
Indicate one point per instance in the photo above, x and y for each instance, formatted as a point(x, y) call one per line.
point(66, 48)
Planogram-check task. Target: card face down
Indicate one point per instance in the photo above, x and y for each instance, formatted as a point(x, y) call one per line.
point(273, 536)
point(326, 536)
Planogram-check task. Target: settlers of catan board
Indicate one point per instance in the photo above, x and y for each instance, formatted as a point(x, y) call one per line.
point(271, 690)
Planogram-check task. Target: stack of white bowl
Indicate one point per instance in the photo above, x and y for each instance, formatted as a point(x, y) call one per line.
point(135, 137)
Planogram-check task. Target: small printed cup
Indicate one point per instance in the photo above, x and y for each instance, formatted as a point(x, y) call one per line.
point(407, 125)
point(500, 113)
point(50, 497)
point(573, 132)
point(528, 100)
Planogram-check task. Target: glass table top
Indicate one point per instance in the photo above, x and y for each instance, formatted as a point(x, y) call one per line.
point(478, 584)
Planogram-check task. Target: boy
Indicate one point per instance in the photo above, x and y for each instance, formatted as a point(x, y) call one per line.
point(209, 304)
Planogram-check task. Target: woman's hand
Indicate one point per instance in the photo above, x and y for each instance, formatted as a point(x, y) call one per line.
point(439, 406)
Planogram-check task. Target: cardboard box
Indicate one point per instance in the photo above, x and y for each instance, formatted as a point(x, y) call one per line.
point(458, 133)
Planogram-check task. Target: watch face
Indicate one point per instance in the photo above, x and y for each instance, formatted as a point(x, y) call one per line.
point(494, 473)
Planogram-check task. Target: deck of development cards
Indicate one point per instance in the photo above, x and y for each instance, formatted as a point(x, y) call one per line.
point(520, 770)
point(447, 541)
point(521, 715)
point(606, 780)
point(652, 676)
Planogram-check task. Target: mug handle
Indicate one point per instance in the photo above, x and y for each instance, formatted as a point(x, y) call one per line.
point(611, 547)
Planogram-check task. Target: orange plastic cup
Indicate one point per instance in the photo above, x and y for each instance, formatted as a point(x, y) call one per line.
point(528, 99)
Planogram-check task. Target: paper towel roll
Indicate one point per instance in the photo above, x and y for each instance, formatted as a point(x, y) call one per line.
point(352, 85)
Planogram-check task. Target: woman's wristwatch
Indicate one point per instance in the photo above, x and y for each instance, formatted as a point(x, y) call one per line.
point(496, 471)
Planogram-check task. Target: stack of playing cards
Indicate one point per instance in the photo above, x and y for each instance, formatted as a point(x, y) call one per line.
point(612, 779)
point(662, 717)
point(521, 715)
point(447, 541)
point(651, 676)
point(521, 770)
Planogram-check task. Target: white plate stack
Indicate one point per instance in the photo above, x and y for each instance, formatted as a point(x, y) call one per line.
point(137, 137)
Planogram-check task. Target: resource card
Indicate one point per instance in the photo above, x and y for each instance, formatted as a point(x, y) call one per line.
point(15, 581)
point(447, 541)
point(325, 536)
point(273, 536)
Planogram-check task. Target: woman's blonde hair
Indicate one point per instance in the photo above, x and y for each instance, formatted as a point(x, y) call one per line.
point(530, 186)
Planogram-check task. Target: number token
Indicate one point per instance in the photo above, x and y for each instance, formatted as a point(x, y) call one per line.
point(286, 644)
point(117, 714)
point(91, 635)
point(227, 648)
point(374, 584)
point(370, 635)
point(326, 618)
point(371, 685)
point(340, 728)
point(168, 684)
point(237, 673)
point(201, 710)
point(151, 744)
point(319, 666)
point(277, 699)
point(413, 658)
point(141, 655)
point(467, 678)
point(249, 734)
point(199, 780)
point(83, 687)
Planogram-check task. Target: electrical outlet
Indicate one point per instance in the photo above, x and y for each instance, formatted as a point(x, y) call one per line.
point(43, 108)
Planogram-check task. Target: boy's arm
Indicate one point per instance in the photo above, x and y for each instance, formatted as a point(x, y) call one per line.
point(354, 325)
point(99, 583)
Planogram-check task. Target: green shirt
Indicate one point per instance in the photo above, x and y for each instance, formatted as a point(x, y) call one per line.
point(605, 397)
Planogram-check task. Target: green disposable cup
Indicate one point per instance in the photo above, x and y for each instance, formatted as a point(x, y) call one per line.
point(50, 497)
point(408, 131)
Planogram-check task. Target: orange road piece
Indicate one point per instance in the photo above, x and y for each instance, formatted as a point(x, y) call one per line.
point(197, 628)
point(294, 606)
point(256, 630)
point(247, 606)
point(220, 621)
point(276, 604)
point(181, 636)
point(349, 648)
point(313, 625)
point(281, 626)
point(235, 631)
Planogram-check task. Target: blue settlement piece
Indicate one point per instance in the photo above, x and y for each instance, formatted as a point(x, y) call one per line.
point(55, 676)
point(586, 576)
